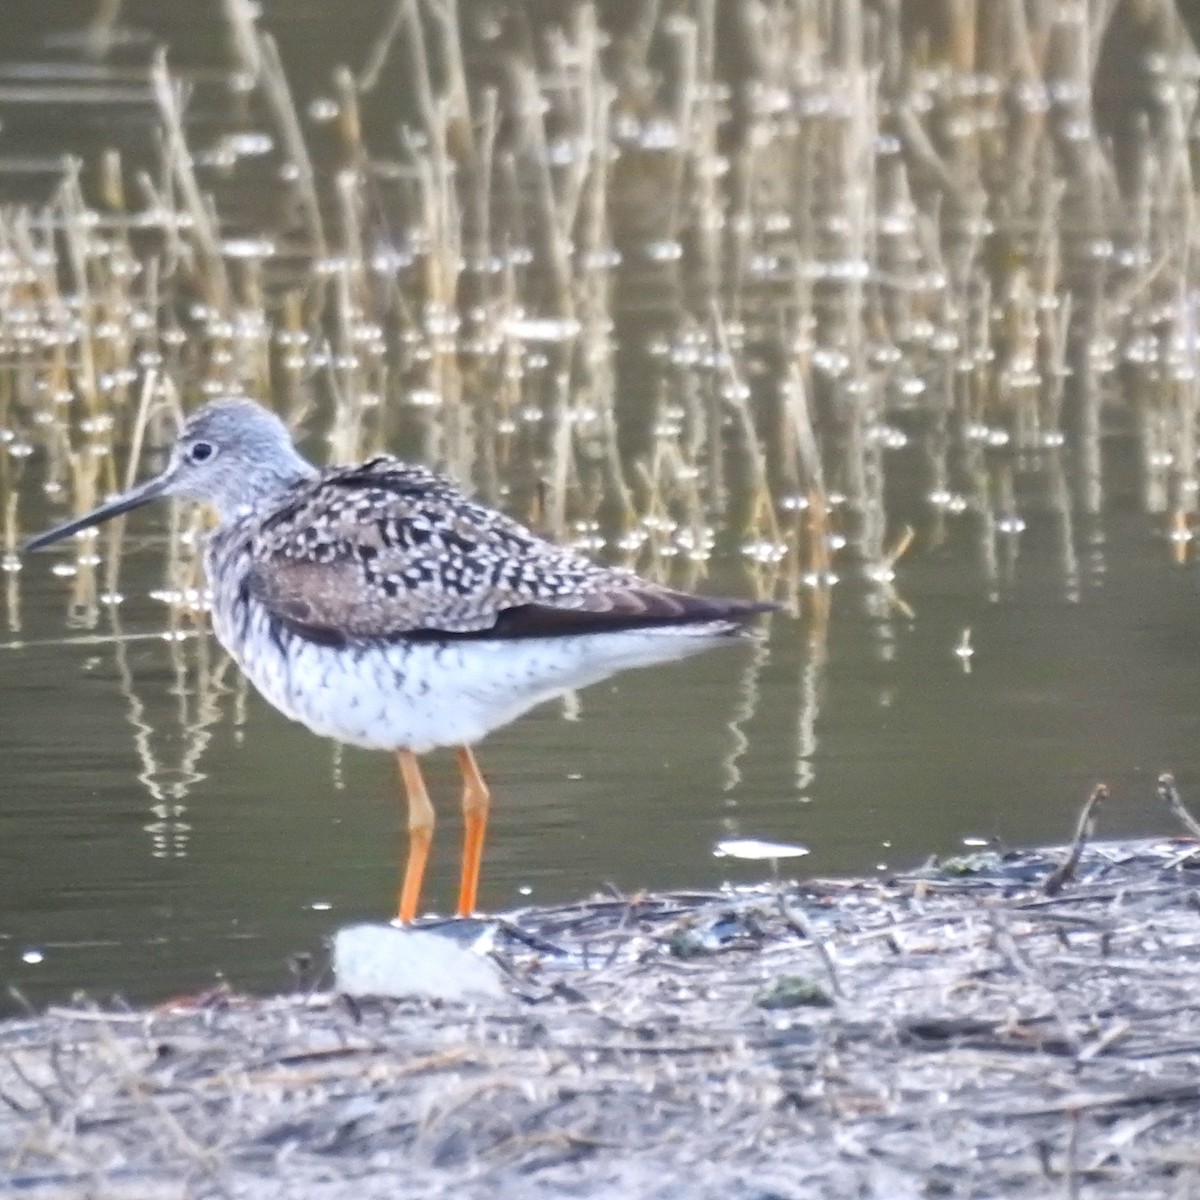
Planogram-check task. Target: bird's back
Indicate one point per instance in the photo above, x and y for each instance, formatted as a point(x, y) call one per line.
point(387, 550)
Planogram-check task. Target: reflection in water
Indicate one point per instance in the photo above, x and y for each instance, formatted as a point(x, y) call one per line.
point(748, 698)
point(168, 785)
point(806, 717)
point(860, 315)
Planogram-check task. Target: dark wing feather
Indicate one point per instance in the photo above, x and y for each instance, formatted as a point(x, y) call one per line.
point(391, 550)
point(633, 604)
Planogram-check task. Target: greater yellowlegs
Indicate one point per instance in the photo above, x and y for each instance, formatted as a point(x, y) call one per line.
point(379, 605)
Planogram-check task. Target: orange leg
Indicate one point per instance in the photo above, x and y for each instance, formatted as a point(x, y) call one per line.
point(420, 832)
point(476, 800)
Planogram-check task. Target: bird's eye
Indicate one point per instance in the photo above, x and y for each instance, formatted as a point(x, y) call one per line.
point(200, 452)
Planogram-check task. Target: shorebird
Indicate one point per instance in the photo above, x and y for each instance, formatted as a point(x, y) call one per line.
point(379, 605)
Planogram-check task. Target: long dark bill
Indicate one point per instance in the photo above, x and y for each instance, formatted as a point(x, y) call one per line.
point(134, 498)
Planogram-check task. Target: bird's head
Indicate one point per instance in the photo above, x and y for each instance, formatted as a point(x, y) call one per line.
point(228, 454)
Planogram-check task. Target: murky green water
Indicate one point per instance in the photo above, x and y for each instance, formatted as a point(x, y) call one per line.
point(160, 827)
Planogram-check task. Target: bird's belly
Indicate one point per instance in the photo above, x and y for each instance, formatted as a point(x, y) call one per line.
point(422, 694)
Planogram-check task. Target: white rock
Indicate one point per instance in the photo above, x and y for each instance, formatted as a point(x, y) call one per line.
point(383, 960)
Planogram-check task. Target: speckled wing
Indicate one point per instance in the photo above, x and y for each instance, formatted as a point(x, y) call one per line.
point(391, 550)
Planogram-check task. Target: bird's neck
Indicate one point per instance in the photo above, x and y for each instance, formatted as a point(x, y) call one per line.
point(263, 483)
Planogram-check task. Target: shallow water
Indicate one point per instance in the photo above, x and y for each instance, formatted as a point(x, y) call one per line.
point(123, 865)
point(159, 827)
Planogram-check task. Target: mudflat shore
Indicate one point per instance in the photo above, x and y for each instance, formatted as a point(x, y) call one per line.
point(988, 1026)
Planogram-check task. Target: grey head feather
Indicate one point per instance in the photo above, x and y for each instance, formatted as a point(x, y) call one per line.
point(232, 454)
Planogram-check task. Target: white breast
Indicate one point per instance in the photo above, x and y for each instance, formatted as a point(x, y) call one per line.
point(418, 695)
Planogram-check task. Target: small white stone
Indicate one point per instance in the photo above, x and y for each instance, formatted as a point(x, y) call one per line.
point(382, 960)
